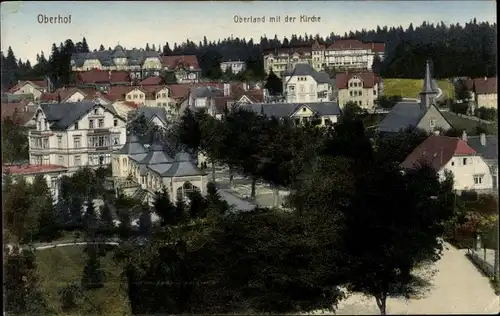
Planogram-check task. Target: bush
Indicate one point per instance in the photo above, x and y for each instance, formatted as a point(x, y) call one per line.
point(486, 113)
point(460, 108)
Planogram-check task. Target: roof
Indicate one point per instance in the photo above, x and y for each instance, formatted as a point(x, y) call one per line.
point(103, 76)
point(32, 169)
point(403, 115)
point(182, 167)
point(150, 112)
point(132, 146)
point(483, 85)
point(17, 112)
point(179, 91)
point(173, 62)
point(63, 115)
point(369, 79)
point(135, 57)
point(287, 109)
point(307, 70)
point(489, 150)
point(151, 81)
point(156, 155)
point(341, 44)
point(38, 84)
point(429, 84)
point(436, 151)
point(65, 93)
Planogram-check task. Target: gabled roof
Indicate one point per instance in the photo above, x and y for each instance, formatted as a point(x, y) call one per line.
point(152, 112)
point(103, 76)
point(132, 146)
point(369, 79)
point(151, 81)
point(63, 115)
point(173, 62)
point(37, 84)
point(287, 109)
point(403, 115)
point(483, 85)
point(307, 70)
point(436, 151)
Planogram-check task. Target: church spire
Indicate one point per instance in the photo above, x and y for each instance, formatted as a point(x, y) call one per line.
point(429, 92)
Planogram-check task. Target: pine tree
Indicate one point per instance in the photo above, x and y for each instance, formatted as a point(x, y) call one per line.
point(107, 225)
point(22, 295)
point(145, 223)
point(164, 207)
point(124, 228)
point(153, 48)
point(68, 297)
point(93, 275)
point(85, 46)
point(89, 219)
point(44, 203)
point(166, 49)
point(147, 47)
point(101, 48)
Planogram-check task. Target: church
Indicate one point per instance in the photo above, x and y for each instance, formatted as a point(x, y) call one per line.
point(141, 172)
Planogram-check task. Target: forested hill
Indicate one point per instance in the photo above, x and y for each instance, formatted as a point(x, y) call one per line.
point(457, 50)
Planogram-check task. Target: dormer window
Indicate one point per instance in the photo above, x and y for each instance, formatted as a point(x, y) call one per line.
point(96, 111)
point(76, 125)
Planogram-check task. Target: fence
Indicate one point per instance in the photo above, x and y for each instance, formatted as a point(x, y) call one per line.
point(484, 259)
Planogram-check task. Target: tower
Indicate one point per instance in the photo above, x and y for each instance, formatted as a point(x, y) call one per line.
point(429, 92)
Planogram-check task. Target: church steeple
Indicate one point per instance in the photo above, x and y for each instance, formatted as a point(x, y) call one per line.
point(429, 92)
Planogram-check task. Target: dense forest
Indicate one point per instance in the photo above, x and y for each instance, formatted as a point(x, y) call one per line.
point(456, 50)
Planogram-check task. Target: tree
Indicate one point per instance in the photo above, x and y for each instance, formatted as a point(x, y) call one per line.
point(164, 208)
point(68, 297)
point(169, 77)
point(388, 102)
point(14, 141)
point(107, 224)
point(462, 92)
point(93, 275)
point(90, 218)
point(197, 205)
point(124, 228)
point(351, 110)
point(85, 46)
point(43, 204)
point(377, 64)
point(274, 84)
point(145, 223)
point(22, 295)
point(101, 48)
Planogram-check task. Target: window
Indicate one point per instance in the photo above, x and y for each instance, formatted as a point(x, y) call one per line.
point(76, 125)
point(129, 97)
point(91, 124)
point(350, 93)
point(45, 143)
point(164, 95)
point(96, 111)
point(464, 160)
point(116, 140)
point(78, 160)
point(304, 109)
point(46, 160)
point(115, 122)
point(39, 126)
point(53, 183)
point(59, 141)
point(77, 142)
point(432, 123)
point(100, 123)
point(452, 163)
point(61, 160)
point(135, 96)
point(101, 160)
point(478, 178)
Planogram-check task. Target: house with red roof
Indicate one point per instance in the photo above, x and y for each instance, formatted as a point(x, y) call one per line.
point(186, 67)
point(470, 170)
point(483, 91)
point(358, 87)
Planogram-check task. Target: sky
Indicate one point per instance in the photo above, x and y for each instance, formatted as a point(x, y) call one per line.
point(133, 24)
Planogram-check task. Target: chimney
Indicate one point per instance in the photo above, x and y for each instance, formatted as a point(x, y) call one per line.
point(464, 136)
point(482, 137)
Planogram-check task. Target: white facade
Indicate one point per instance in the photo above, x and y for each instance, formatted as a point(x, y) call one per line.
point(29, 88)
point(89, 141)
point(305, 89)
point(358, 92)
point(235, 66)
point(470, 173)
point(304, 114)
point(487, 100)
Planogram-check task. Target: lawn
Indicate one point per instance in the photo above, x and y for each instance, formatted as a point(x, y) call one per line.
point(58, 267)
point(410, 88)
point(462, 123)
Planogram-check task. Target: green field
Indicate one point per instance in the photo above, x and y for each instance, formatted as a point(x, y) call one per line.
point(410, 88)
point(462, 123)
point(62, 266)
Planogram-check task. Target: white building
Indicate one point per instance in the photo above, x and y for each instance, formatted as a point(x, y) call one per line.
point(304, 84)
point(75, 134)
point(139, 170)
point(235, 66)
point(470, 171)
point(362, 88)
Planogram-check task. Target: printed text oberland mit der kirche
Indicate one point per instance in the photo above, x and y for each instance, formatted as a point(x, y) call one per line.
point(277, 19)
